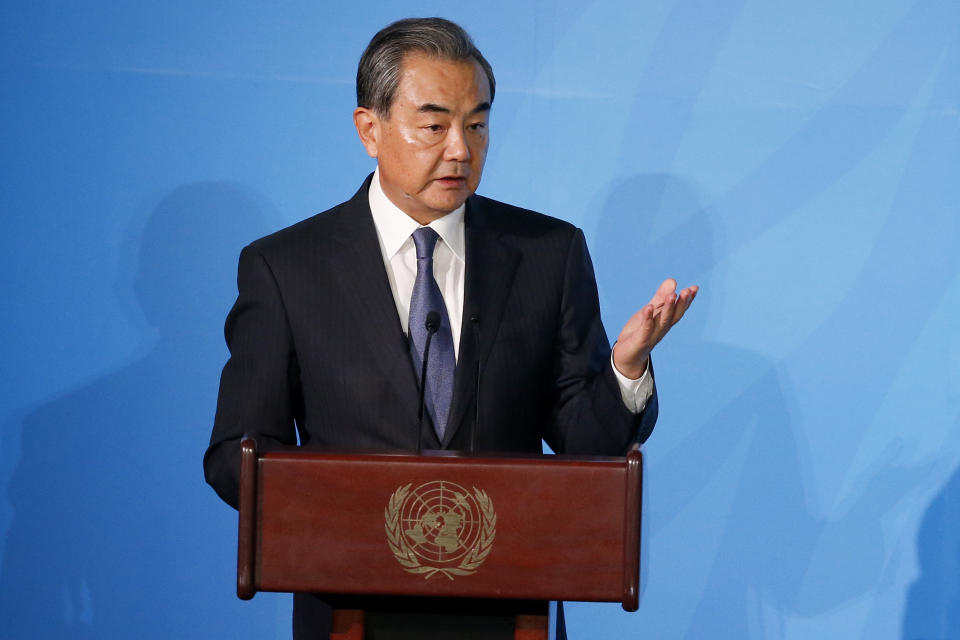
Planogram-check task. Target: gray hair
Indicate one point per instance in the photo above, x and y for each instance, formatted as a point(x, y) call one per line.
point(378, 74)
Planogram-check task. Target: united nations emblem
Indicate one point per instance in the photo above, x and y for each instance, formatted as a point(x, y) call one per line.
point(440, 527)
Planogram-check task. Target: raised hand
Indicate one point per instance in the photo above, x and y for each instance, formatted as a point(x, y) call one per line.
point(648, 326)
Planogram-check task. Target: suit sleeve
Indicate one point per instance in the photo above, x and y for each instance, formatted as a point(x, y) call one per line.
point(260, 386)
point(589, 416)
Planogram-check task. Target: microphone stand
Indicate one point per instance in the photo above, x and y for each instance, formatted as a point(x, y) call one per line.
point(432, 324)
point(475, 321)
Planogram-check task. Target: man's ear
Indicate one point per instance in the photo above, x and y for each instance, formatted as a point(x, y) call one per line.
point(368, 128)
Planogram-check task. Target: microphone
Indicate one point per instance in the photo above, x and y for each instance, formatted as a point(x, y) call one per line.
point(432, 324)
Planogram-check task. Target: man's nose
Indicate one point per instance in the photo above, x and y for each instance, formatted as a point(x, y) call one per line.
point(457, 149)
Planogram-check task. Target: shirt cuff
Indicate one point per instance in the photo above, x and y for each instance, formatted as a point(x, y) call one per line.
point(635, 393)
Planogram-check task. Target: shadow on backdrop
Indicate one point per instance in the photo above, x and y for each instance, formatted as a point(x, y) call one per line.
point(111, 530)
point(766, 556)
point(933, 601)
point(737, 433)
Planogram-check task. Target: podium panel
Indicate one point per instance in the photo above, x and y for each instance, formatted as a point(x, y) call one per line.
point(440, 524)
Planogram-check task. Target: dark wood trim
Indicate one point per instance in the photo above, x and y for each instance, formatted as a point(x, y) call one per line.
point(246, 540)
point(631, 533)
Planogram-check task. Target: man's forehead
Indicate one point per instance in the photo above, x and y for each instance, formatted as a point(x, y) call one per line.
point(426, 58)
point(422, 72)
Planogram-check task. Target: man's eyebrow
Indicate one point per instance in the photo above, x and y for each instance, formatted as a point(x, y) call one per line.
point(429, 107)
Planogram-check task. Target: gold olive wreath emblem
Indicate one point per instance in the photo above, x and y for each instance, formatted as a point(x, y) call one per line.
point(440, 527)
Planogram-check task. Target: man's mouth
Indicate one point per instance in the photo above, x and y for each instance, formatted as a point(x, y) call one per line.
point(452, 181)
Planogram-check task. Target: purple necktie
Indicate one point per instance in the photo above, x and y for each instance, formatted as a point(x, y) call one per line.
point(442, 360)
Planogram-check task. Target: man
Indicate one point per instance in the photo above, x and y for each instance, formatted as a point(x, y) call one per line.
point(333, 313)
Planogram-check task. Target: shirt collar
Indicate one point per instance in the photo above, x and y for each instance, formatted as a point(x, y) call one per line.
point(395, 227)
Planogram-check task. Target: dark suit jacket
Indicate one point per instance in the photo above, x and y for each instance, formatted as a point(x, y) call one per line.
point(316, 346)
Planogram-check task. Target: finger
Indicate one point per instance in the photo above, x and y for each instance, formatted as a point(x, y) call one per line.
point(647, 313)
point(664, 319)
point(666, 289)
point(684, 301)
point(648, 322)
point(664, 308)
point(637, 321)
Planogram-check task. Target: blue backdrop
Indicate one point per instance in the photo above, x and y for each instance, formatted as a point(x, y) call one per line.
point(799, 161)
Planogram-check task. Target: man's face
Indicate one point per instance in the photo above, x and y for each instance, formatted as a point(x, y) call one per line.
point(432, 146)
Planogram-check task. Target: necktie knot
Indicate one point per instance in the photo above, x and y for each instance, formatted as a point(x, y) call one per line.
point(425, 239)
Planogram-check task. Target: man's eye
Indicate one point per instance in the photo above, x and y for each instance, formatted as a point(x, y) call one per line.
point(433, 128)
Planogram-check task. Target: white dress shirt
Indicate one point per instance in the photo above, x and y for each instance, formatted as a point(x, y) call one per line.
point(394, 231)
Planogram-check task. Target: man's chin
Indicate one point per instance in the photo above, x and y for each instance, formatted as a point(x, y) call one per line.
point(447, 202)
point(426, 211)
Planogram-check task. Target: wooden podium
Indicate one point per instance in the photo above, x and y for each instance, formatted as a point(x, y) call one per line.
point(442, 524)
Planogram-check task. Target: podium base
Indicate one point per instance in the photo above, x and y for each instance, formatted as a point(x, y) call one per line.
point(348, 624)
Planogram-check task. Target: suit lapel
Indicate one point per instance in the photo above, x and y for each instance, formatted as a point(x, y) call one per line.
point(371, 304)
point(490, 268)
